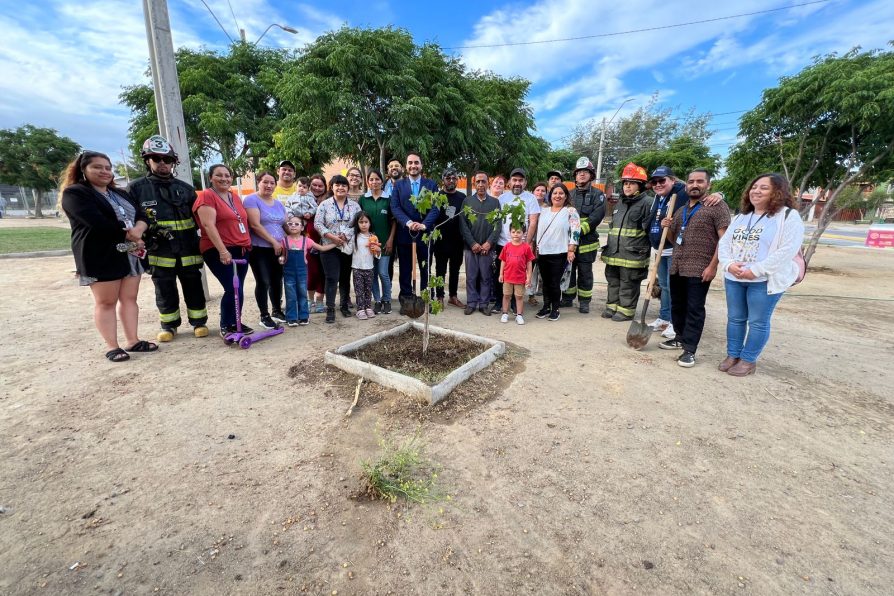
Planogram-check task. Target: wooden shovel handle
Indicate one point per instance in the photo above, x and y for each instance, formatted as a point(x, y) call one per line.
point(653, 272)
point(413, 251)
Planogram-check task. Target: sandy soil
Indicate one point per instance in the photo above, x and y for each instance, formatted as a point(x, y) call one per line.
point(591, 469)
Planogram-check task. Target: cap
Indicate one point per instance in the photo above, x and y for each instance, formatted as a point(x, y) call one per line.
point(518, 172)
point(449, 172)
point(552, 173)
point(662, 172)
point(286, 162)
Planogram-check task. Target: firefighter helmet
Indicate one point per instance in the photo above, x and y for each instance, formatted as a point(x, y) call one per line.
point(584, 163)
point(157, 145)
point(634, 173)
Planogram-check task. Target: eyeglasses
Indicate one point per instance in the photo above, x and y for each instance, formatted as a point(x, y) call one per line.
point(164, 158)
point(659, 180)
point(294, 224)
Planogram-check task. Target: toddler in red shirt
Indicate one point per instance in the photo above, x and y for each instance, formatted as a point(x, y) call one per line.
point(515, 273)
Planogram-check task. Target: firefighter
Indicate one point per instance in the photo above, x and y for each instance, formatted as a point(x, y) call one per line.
point(172, 239)
point(626, 254)
point(590, 204)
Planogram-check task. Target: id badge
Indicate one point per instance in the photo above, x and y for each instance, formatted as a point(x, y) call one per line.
point(128, 224)
point(450, 211)
point(679, 239)
point(241, 228)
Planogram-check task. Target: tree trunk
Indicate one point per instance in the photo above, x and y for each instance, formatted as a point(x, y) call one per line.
point(38, 211)
point(382, 158)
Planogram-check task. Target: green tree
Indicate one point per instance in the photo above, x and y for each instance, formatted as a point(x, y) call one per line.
point(649, 128)
point(830, 125)
point(683, 154)
point(34, 158)
point(229, 106)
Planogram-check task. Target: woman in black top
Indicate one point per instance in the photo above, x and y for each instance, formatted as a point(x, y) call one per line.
point(103, 217)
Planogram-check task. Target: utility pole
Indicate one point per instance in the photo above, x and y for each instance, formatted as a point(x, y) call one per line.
point(168, 104)
point(599, 158)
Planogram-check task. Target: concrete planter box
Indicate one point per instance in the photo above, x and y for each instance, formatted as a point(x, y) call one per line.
point(411, 386)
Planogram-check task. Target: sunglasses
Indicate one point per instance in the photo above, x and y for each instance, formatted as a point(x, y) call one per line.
point(164, 158)
point(294, 224)
point(659, 180)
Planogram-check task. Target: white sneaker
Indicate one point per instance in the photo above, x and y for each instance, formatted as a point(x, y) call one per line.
point(669, 332)
point(659, 324)
point(504, 318)
point(519, 319)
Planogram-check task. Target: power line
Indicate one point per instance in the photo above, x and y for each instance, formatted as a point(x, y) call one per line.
point(218, 22)
point(234, 15)
point(659, 28)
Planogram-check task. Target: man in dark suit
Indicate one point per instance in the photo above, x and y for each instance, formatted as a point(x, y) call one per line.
point(412, 225)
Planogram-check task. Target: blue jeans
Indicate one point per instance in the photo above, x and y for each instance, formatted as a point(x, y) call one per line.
point(749, 309)
point(380, 273)
point(664, 283)
point(224, 274)
point(295, 279)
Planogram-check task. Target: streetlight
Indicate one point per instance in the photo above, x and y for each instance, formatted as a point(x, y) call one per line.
point(602, 136)
point(285, 28)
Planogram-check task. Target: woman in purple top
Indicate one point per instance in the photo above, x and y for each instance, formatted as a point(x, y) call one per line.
point(265, 218)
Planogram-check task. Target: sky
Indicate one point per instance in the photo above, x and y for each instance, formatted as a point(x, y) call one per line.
point(64, 63)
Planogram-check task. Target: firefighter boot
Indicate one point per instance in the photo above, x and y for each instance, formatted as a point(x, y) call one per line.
point(166, 334)
point(583, 306)
point(200, 331)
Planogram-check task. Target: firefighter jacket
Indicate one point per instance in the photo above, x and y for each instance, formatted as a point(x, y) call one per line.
point(628, 238)
point(590, 205)
point(172, 232)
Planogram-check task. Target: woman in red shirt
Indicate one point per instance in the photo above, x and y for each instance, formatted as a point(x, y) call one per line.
point(224, 225)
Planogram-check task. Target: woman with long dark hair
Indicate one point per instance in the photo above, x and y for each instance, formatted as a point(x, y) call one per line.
point(107, 227)
point(225, 236)
point(315, 278)
point(756, 254)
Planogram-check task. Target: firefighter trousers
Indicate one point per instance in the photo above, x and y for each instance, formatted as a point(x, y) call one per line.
point(581, 284)
point(167, 298)
point(623, 288)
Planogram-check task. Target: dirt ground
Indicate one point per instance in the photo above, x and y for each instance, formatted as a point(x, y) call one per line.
point(578, 466)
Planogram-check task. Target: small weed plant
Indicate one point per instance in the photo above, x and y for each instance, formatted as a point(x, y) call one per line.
point(401, 472)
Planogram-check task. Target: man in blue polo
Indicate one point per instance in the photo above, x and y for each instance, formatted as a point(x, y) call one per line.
point(412, 225)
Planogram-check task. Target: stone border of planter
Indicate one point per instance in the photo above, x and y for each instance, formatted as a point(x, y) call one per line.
point(411, 386)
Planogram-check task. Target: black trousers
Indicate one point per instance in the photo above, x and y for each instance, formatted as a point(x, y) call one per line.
point(337, 272)
point(405, 258)
point(449, 256)
point(167, 298)
point(688, 296)
point(496, 286)
point(551, 269)
point(267, 272)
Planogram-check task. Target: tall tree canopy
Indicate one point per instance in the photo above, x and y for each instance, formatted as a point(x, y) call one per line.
point(651, 128)
point(683, 154)
point(828, 126)
point(229, 105)
point(369, 94)
point(34, 158)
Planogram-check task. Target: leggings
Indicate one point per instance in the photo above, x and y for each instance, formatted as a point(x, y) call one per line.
point(337, 272)
point(268, 278)
point(363, 283)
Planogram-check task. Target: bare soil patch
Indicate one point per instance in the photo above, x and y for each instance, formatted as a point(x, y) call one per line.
point(403, 354)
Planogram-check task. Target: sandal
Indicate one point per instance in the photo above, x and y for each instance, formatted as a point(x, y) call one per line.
point(143, 346)
point(117, 355)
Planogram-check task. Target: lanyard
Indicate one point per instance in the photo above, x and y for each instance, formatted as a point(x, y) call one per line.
point(341, 212)
point(662, 203)
point(114, 197)
point(750, 225)
point(232, 205)
point(687, 214)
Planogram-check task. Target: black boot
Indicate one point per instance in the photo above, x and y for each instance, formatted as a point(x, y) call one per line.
point(330, 314)
point(583, 306)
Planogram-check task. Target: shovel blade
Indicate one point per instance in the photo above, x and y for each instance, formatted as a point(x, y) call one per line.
point(412, 306)
point(639, 333)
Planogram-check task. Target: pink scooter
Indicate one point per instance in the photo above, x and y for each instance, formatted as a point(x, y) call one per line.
point(245, 339)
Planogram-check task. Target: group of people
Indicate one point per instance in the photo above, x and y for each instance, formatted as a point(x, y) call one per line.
point(308, 240)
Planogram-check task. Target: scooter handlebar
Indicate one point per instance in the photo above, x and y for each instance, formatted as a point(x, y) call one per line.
point(240, 261)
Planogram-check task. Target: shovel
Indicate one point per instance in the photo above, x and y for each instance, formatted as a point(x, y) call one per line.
point(639, 333)
point(413, 306)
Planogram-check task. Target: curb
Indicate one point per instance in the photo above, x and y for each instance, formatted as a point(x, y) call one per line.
point(36, 254)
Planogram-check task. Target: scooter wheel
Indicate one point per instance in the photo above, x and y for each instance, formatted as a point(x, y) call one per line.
point(245, 343)
point(229, 340)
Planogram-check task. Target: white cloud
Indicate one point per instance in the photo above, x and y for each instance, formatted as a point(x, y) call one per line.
point(65, 63)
